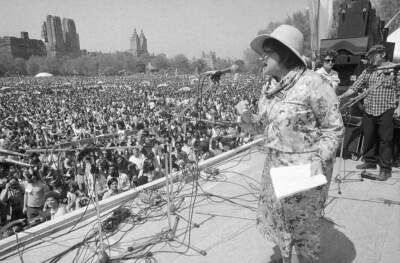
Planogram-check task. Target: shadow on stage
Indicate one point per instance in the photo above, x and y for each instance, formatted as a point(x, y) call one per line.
point(335, 246)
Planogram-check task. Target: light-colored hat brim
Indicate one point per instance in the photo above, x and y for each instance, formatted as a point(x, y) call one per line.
point(257, 45)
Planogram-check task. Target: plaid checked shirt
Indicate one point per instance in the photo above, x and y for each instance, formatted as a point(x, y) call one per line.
point(383, 98)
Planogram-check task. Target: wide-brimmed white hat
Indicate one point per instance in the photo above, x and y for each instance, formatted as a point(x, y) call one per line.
point(287, 35)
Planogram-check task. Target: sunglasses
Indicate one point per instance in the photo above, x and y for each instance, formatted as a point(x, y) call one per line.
point(329, 60)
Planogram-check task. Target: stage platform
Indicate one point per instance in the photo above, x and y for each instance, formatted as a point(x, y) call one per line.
point(361, 225)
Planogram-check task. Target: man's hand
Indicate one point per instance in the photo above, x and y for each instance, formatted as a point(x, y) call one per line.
point(215, 77)
point(242, 107)
point(397, 111)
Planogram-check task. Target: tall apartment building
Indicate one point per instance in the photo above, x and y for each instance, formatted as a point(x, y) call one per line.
point(138, 44)
point(71, 38)
point(61, 39)
point(22, 47)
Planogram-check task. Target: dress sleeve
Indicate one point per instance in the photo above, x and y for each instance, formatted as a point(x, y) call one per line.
point(325, 106)
point(252, 123)
point(335, 80)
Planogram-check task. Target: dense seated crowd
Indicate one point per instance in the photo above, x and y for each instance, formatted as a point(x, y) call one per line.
point(112, 132)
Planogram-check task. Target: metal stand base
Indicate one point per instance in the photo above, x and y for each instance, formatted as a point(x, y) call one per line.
point(171, 236)
point(340, 179)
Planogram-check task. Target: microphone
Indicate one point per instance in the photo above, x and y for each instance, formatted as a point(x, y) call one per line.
point(215, 75)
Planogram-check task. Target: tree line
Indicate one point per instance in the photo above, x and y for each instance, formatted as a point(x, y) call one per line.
point(98, 63)
point(386, 9)
point(125, 63)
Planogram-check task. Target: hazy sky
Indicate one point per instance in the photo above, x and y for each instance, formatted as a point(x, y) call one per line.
point(171, 26)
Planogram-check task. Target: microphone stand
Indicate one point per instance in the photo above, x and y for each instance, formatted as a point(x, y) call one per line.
point(340, 178)
point(173, 216)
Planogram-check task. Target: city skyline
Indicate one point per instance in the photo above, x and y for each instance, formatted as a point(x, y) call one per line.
point(172, 27)
point(60, 36)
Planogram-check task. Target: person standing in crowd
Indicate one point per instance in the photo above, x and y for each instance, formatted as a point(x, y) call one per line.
point(124, 182)
point(327, 71)
point(301, 124)
point(52, 208)
point(380, 104)
point(112, 188)
point(137, 159)
point(13, 199)
point(73, 196)
point(34, 197)
point(94, 179)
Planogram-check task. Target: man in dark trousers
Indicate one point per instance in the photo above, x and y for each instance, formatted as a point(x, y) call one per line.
point(382, 87)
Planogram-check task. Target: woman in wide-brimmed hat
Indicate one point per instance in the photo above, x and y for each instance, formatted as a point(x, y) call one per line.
point(299, 117)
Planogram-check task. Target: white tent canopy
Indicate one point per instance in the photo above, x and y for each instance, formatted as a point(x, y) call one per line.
point(184, 89)
point(395, 37)
point(162, 85)
point(43, 74)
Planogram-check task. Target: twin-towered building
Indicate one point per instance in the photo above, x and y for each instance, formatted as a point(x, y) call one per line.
point(58, 39)
point(138, 44)
point(61, 38)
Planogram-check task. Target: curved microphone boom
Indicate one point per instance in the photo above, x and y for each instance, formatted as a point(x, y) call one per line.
point(215, 75)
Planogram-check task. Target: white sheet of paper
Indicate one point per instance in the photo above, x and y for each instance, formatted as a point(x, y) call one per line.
point(290, 180)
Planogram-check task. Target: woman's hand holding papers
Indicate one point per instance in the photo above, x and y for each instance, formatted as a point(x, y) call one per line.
point(316, 167)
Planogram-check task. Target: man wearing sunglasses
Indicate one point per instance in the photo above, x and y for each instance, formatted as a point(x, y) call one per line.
point(326, 70)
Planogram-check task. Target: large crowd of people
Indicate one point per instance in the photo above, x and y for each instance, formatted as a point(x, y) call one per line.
point(105, 135)
point(112, 132)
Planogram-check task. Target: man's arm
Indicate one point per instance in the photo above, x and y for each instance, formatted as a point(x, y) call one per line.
point(346, 94)
point(356, 87)
point(25, 203)
point(397, 88)
point(4, 194)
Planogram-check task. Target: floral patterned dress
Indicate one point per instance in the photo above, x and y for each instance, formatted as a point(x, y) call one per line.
point(301, 123)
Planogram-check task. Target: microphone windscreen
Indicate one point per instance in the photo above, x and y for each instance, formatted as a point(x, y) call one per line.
point(234, 68)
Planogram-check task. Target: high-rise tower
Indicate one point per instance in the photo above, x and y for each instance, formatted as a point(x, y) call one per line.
point(143, 43)
point(138, 44)
point(71, 38)
point(61, 39)
point(135, 44)
point(55, 44)
point(44, 33)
